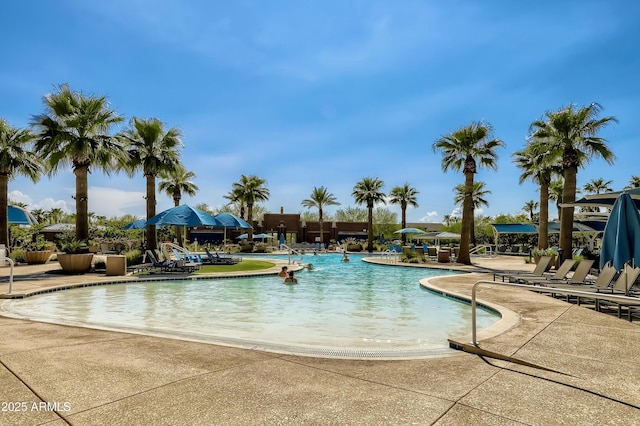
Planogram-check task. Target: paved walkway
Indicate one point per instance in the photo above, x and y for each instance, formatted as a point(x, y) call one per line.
point(57, 375)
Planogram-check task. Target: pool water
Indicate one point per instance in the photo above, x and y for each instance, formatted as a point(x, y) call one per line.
point(353, 306)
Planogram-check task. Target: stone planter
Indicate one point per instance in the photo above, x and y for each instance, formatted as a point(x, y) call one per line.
point(75, 263)
point(37, 257)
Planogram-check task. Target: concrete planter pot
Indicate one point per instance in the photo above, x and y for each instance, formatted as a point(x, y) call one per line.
point(75, 263)
point(37, 257)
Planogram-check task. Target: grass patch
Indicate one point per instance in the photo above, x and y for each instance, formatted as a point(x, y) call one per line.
point(245, 265)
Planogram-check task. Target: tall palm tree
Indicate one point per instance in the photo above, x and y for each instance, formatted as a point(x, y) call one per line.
point(156, 152)
point(530, 207)
point(74, 129)
point(369, 191)
point(596, 186)
point(320, 198)
point(539, 165)
point(574, 132)
point(174, 183)
point(478, 200)
point(405, 196)
point(250, 190)
point(462, 150)
point(15, 159)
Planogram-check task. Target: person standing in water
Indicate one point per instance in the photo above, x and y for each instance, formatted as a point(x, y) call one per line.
point(291, 279)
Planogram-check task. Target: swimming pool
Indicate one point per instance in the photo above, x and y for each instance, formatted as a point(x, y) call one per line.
point(354, 309)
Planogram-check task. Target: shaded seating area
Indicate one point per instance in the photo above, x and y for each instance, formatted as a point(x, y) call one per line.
point(168, 265)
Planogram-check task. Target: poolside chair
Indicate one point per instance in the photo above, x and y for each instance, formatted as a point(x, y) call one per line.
point(539, 271)
point(558, 276)
point(579, 276)
point(622, 286)
point(187, 260)
point(216, 259)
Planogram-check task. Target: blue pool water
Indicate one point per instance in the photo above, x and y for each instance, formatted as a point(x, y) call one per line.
point(354, 306)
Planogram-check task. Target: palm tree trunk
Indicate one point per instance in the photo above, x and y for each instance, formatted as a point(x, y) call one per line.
point(370, 228)
point(179, 229)
point(152, 242)
point(467, 218)
point(4, 209)
point(250, 220)
point(543, 225)
point(472, 228)
point(321, 229)
point(404, 224)
point(566, 220)
point(82, 205)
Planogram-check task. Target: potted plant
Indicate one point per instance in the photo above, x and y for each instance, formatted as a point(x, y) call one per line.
point(75, 257)
point(38, 251)
point(538, 253)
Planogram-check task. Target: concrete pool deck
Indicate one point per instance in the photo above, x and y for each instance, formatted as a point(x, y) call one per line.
point(56, 375)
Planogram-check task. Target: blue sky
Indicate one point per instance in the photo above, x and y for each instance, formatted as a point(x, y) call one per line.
point(309, 94)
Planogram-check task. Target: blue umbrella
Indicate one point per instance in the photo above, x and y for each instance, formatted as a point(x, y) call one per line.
point(184, 215)
point(19, 216)
point(227, 220)
point(410, 231)
point(621, 239)
point(137, 224)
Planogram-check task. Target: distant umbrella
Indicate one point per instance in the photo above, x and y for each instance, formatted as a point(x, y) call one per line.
point(621, 238)
point(228, 220)
point(410, 231)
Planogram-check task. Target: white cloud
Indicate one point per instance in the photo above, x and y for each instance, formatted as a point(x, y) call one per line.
point(112, 202)
point(456, 212)
point(429, 217)
point(45, 204)
point(19, 197)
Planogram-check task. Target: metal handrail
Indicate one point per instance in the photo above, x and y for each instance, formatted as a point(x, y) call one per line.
point(591, 295)
point(11, 263)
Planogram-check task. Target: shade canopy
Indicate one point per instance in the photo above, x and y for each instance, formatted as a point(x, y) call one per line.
point(606, 198)
point(621, 239)
point(19, 216)
point(136, 224)
point(184, 215)
point(228, 220)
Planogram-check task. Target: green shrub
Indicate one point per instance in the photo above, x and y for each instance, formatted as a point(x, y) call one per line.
point(134, 257)
point(16, 255)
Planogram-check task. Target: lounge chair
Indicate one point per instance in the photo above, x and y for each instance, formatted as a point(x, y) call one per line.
point(578, 278)
point(539, 271)
point(622, 286)
point(558, 276)
point(216, 259)
point(189, 261)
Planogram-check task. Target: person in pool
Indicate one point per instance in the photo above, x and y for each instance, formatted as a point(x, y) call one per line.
point(291, 279)
point(283, 272)
point(345, 258)
point(309, 266)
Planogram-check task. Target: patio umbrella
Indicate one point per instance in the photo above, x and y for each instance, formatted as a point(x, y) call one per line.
point(137, 224)
point(262, 236)
point(228, 220)
point(410, 231)
point(621, 239)
point(19, 216)
point(242, 236)
point(184, 215)
point(606, 198)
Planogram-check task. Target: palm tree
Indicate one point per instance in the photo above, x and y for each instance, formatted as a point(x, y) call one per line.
point(235, 197)
point(530, 207)
point(250, 190)
point(404, 195)
point(539, 164)
point(596, 186)
point(634, 182)
point(320, 198)
point(15, 159)
point(574, 132)
point(156, 152)
point(461, 150)
point(174, 183)
point(556, 189)
point(369, 191)
point(477, 197)
point(75, 130)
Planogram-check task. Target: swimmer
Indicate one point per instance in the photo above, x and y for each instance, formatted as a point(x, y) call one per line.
point(291, 279)
point(345, 258)
point(283, 272)
point(309, 266)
